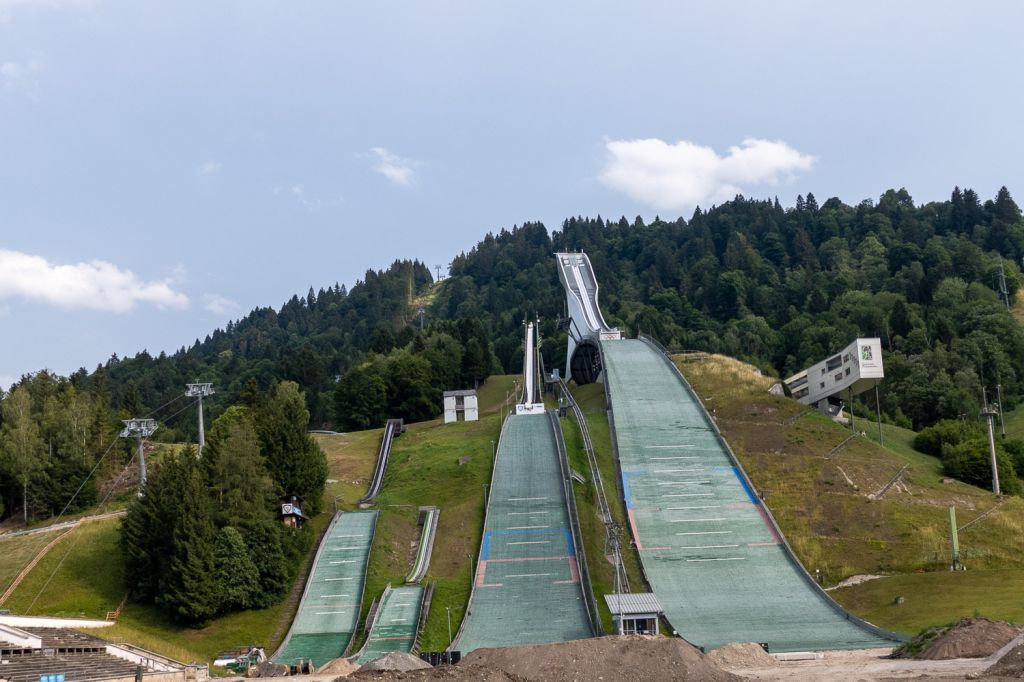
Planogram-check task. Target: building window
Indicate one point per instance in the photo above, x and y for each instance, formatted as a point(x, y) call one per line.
point(847, 371)
point(823, 384)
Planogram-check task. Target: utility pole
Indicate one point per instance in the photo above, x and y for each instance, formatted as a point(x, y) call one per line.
point(878, 411)
point(199, 391)
point(139, 428)
point(448, 610)
point(999, 397)
point(1004, 292)
point(853, 426)
point(954, 539)
point(989, 413)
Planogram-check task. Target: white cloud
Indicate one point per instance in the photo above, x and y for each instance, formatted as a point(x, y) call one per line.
point(20, 76)
point(673, 176)
point(219, 305)
point(210, 167)
point(96, 285)
point(393, 167)
point(9, 7)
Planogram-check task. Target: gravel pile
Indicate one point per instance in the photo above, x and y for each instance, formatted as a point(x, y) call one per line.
point(1011, 665)
point(608, 659)
point(734, 656)
point(970, 638)
point(651, 659)
point(397, 661)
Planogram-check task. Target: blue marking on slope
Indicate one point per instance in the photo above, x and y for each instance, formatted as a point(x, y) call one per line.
point(626, 491)
point(568, 543)
point(485, 547)
point(746, 488)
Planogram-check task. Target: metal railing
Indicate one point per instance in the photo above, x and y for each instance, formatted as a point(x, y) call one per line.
point(586, 587)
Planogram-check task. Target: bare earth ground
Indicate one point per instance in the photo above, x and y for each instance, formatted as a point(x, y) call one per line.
point(614, 659)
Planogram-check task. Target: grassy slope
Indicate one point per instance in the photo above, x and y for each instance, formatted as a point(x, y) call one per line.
point(834, 526)
point(18, 552)
point(78, 579)
point(425, 470)
point(602, 573)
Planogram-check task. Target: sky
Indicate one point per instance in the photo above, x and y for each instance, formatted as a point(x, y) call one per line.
point(166, 167)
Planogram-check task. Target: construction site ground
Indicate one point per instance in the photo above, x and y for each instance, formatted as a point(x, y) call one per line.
point(662, 658)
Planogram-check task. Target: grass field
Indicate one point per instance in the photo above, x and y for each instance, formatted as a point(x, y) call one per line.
point(824, 501)
point(936, 598)
point(18, 552)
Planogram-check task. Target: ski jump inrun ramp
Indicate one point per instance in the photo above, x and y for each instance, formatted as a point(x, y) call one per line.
point(709, 549)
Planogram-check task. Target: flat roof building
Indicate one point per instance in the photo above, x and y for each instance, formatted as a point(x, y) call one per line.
point(634, 613)
point(460, 406)
point(851, 371)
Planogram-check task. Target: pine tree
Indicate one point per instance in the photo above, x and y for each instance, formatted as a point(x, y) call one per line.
point(295, 461)
point(238, 579)
point(190, 590)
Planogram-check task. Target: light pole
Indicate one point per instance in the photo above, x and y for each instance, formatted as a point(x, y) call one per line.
point(494, 452)
point(449, 611)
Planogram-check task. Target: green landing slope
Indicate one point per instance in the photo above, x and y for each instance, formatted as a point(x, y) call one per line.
point(710, 553)
point(527, 588)
point(329, 610)
point(395, 627)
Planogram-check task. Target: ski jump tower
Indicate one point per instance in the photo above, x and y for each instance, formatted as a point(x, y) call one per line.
point(852, 371)
point(531, 401)
point(587, 328)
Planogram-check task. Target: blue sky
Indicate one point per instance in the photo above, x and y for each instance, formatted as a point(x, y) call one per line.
point(165, 167)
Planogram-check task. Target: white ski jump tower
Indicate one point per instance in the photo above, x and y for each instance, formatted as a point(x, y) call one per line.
point(587, 328)
point(852, 371)
point(531, 401)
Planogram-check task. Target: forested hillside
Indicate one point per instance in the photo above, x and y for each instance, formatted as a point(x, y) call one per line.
point(783, 288)
point(779, 287)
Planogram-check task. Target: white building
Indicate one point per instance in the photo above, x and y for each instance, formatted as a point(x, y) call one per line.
point(460, 406)
point(853, 370)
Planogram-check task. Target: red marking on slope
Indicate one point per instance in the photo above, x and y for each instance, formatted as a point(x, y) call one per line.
point(636, 535)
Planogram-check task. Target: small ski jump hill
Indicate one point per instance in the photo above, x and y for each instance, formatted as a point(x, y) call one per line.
point(329, 611)
point(709, 548)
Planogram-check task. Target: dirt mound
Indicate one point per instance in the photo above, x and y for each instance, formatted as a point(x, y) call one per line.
point(397, 661)
point(732, 656)
point(969, 638)
point(1010, 665)
point(339, 666)
point(651, 659)
point(451, 673)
